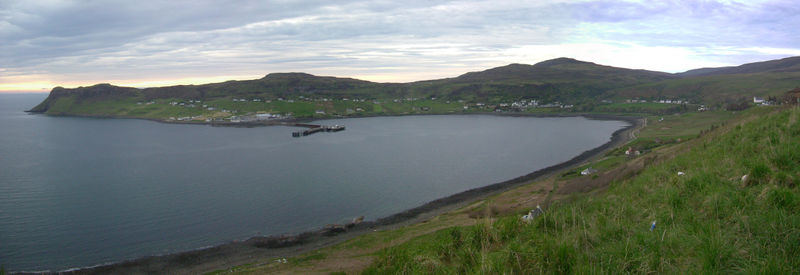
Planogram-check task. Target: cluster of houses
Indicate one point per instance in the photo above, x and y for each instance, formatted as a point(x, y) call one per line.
point(268, 116)
point(357, 109)
point(303, 98)
point(348, 111)
point(532, 103)
point(235, 119)
point(518, 105)
point(664, 101)
point(764, 102)
point(256, 117)
point(355, 100)
point(192, 103)
point(185, 118)
point(189, 105)
point(245, 100)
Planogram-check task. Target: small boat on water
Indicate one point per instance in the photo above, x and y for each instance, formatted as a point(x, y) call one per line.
point(335, 128)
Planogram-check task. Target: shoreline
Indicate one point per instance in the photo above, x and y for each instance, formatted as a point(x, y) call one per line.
point(292, 121)
point(279, 246)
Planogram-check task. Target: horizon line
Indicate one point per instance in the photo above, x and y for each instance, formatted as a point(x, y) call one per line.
point(143, 84)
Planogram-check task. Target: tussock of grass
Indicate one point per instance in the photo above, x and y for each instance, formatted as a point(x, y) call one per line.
point(708, 220)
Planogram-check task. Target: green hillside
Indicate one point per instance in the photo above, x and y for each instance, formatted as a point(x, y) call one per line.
point(708, 219)
point(562, 81)
point(789, 64)
point(722, 85)
point(714, 89)
point(560, 85)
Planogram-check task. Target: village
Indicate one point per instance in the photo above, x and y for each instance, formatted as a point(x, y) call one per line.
point(259, 109)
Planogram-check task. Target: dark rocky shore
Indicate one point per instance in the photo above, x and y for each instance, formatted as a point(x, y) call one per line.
point(265, 247)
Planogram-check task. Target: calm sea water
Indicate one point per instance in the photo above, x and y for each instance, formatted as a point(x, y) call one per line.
point(80, 191)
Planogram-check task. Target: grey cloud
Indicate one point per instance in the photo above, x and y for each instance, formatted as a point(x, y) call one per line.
point(119, 38)
point(695, 23)
point(80, 26)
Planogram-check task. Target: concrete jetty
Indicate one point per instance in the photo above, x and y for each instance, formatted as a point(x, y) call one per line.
point(313, 128)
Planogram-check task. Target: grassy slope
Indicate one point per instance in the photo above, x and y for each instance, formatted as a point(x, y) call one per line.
point(662, 131)
point(714, 89)
point(564, 80)
point(161, 109)
point(358, 253)
point(707, 220)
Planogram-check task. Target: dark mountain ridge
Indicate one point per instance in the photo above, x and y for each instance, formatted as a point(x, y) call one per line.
point(789, 64)
point(549, 78)
point(561, 79)
point(560, 69)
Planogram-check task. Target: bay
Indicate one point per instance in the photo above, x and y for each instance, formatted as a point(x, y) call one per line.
point(77, 192)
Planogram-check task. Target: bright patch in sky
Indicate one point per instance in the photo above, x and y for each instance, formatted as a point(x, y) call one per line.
point(141, 44)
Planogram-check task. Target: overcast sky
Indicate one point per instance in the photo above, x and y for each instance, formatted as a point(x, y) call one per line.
point(47, 43)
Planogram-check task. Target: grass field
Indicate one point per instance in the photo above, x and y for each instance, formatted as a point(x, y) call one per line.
point(162, 109)
point(644, 108)
point(136, 106)
point(707, 220)
point(687, 124)
point(716, 89)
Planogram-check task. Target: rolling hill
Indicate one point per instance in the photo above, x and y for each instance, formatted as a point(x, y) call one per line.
point(562, 80)
point(724, 84)
point(789, 64)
